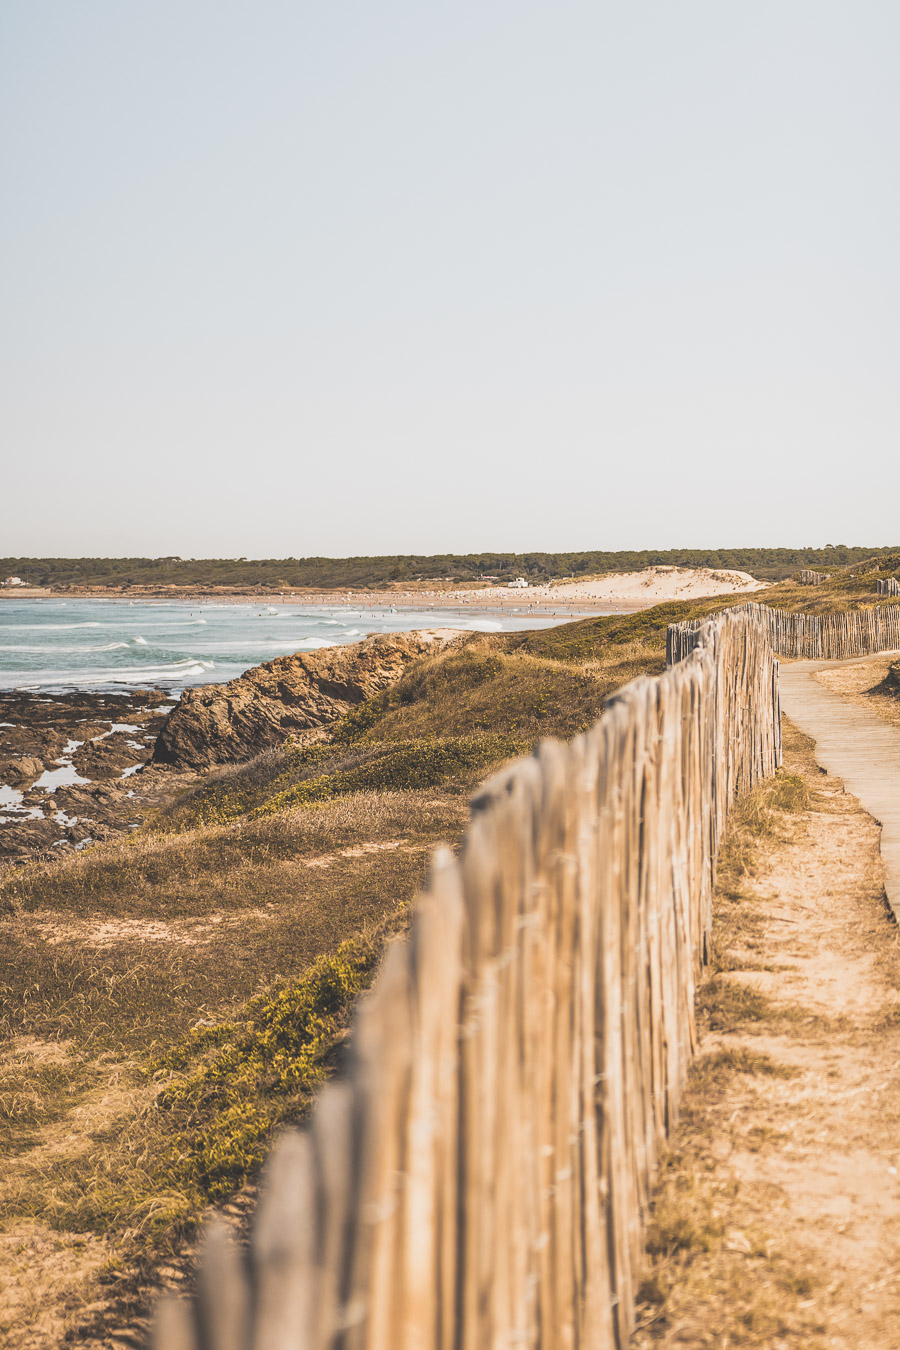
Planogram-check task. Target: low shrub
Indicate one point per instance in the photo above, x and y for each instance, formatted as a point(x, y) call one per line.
point(424, 762)
point(227, 1086)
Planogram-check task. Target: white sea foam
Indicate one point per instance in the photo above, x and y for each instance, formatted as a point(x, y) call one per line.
point(49, 627)
point(48, 648)
point(168, 623)
point(232, 641)
point(142, 675)
point(96, 623)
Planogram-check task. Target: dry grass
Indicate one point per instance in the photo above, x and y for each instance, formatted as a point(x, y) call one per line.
point(205, 1107)
point(203, 970)
point(35, 1093)
point(483, 689)
point(706, 1249)
point(140, 991)
point(134, 1149)
point(159, 872)
point(713, 1283)
point(713, 1070)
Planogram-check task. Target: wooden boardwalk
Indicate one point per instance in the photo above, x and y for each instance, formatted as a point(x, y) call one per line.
point(855, 745)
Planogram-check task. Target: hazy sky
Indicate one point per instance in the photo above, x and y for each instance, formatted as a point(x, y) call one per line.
point(285, 278)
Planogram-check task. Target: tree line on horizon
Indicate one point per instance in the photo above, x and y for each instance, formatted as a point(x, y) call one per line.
point(768, 564)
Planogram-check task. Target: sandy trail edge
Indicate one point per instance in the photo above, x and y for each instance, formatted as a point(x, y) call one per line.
point(858, 746)
point(804, 1172)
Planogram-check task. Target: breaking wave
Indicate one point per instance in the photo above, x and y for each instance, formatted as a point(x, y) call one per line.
point(171, 645)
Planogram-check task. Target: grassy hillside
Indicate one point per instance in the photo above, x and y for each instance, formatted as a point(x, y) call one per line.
point(768, 564)
point(171, 997)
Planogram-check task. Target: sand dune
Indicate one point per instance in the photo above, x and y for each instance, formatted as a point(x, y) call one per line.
point(660, 583)
point(649, 587)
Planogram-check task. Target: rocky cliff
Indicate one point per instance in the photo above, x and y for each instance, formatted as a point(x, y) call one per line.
point(227, 723)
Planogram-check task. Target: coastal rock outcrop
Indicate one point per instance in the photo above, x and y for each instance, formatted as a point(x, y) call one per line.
point(108, 757)
point(228, 723)
point(98, 737)
point(19, 771)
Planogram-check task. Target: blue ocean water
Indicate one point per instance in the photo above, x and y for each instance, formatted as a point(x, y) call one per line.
point(106, 644)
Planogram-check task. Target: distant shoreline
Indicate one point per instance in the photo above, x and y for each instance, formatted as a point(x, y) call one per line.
point(466, 600)
point(610, 593)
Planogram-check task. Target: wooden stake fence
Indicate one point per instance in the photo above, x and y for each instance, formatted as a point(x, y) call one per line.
point(817, 637)
point(481, 1176)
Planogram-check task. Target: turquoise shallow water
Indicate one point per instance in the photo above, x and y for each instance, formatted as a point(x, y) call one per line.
point(108, 644)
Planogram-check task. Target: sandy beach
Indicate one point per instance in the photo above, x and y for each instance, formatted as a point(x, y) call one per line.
point(621, 590)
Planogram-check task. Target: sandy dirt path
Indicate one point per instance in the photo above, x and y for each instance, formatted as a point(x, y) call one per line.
point(857, 745)
point(777, 1219)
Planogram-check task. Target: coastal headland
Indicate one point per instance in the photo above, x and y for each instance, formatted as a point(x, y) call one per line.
point(81, 763)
